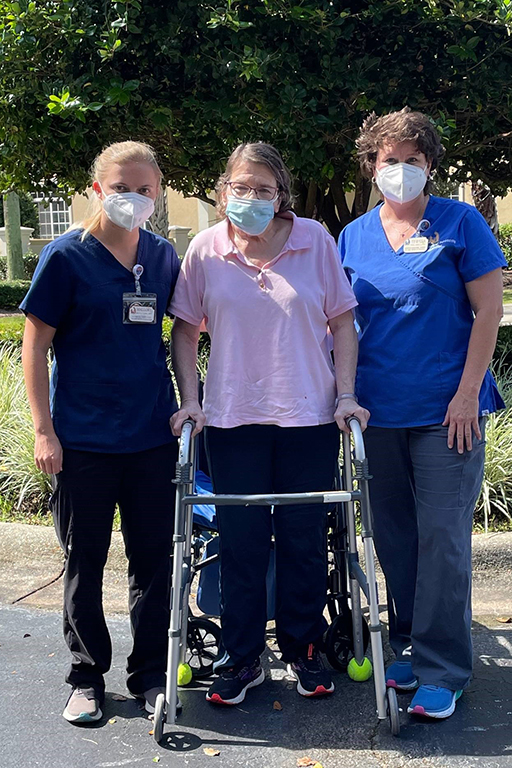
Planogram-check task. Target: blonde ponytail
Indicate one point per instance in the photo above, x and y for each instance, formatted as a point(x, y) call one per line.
point(120, 153)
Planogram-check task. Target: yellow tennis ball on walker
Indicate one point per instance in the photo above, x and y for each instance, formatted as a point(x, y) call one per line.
point(360, 672)
point(184, 674)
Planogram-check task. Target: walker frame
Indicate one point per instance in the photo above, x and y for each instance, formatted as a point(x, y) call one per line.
point(355, 469)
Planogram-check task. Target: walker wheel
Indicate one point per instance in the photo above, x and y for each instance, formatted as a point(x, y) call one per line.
point(203, 642)
point(393, 711)
point(339, 640)
point(159, 718)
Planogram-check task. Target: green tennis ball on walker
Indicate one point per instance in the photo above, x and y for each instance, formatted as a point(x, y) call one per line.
point(184, 674)
point(360, 672)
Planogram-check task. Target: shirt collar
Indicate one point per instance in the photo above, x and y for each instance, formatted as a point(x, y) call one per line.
point(298, 240)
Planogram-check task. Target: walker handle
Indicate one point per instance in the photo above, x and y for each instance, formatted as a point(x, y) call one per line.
point(186, 441)
point(355, 427)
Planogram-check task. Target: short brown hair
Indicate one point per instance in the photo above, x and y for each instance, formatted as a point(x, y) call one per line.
point(265, 154)
point(395, 127)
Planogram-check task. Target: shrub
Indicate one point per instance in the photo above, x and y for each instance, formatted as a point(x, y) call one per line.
point(20, 481)
point(505, 241)
point(11, 330)
point(166, 331)
point(30, 260)
point(12, 293)
point(495, 503)
point(502, 358)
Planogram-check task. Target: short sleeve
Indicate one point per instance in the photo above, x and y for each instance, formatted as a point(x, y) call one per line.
point(50, 295)
point(339, 296)
point(480, 253)
point(187, 301)
point(342, 245)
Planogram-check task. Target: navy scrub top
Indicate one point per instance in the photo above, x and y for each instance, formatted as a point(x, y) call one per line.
point(111, 391)
point(414, 316)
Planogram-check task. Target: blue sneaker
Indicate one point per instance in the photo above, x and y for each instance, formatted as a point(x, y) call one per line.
point(400, 676)
point(434, 701)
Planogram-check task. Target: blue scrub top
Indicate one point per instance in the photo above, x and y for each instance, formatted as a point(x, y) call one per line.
point(111, 391)
point(414, 317)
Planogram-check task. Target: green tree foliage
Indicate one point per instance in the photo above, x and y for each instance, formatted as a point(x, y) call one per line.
point(195, 78)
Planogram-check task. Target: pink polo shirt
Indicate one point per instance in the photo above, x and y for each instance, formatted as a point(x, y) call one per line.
point(270, 361)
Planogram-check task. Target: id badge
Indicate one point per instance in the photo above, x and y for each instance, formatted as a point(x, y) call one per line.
point(416, 245)
point(139, 308)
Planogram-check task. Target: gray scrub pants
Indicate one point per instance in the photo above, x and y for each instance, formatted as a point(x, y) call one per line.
point(422, 496)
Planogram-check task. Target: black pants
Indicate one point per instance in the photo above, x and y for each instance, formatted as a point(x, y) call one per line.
point(269, 459)
point(83, 504)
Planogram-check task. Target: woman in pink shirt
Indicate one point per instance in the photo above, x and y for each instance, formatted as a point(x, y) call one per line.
point(269, 287)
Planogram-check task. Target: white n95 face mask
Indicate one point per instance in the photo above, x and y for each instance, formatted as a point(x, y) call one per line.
point(128, 209)
point(401, 182)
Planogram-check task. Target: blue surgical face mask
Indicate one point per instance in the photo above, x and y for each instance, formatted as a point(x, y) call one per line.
point(250, 215)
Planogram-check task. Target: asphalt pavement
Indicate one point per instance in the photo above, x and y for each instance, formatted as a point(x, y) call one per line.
point(338, 732)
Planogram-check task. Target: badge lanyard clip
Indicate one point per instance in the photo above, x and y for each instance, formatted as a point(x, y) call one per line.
point(137, 273)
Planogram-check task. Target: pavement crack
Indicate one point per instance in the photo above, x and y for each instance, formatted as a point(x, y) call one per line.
point(373, 735)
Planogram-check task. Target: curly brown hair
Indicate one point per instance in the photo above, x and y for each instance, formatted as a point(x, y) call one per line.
point(395, 127)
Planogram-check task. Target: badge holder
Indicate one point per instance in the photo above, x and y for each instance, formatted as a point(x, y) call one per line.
point(139, 308)
point(417, 243)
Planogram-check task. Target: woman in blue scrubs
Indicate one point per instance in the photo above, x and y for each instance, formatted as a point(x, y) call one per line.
point(426, 272)
point(102, 426)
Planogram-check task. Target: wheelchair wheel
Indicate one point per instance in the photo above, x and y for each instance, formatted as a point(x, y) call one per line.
point(339, 641)
point(203, 642)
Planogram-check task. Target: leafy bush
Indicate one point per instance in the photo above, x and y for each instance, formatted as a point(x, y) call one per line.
point(505, 241)
point(20, 481)
point(502, 358)
point(30, 260)
point(166, 331)
point(11, 330)
point(12, 293)
point(495, 503)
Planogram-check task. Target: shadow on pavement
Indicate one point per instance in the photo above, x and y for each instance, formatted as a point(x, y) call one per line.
point(340, 731)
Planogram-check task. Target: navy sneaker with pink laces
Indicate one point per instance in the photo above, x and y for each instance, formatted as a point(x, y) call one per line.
point(312, 677)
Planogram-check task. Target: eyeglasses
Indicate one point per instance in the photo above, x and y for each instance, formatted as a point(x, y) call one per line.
point(244, 190)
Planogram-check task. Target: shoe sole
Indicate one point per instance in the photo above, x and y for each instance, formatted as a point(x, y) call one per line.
point(216, 698)
point(320, 690)
point(151, 710)
point(83, 717)
point(441, 714)
point(147, 705)
point(401, 686)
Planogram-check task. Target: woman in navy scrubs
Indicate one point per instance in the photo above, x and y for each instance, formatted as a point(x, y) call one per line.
point(426, 272)
point(102, 426)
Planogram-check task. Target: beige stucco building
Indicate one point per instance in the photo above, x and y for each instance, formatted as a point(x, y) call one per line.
point(187, 216)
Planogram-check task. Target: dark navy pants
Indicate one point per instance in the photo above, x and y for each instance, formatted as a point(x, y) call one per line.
point(423, 496)
point(270, 459)
point(85, 496)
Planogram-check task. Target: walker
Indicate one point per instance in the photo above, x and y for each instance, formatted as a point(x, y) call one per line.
point(345, 570)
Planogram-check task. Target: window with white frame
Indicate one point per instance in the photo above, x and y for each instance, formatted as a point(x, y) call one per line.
point(457, 193)
point(54, 217)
